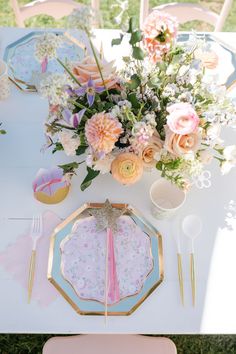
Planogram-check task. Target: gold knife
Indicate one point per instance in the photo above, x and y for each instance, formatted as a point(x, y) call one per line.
point(31, 274)
point(180, 274)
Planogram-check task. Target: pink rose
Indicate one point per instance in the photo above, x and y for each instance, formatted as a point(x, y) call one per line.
point(182, 118)
point(180, 145)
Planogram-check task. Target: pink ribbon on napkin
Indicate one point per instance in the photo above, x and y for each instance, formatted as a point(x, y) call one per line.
point(15, 260)
point(113, 285)
point(44, 65)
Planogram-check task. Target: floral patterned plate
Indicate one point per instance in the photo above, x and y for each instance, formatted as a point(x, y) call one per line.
point(77, 261)
point(23, 65)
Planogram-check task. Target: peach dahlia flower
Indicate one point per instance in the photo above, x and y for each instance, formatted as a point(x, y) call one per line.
point(102, 131)
point(159, 33)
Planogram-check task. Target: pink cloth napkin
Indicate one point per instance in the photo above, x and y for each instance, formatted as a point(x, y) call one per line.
point(15, 260)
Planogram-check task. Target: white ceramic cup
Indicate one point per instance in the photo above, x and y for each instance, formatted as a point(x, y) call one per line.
point(166, 198)
point(4, 81)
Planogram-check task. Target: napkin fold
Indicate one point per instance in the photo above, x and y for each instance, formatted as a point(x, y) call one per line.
point(16, 257)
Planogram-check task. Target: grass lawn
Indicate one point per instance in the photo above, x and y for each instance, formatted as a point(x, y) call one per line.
point(186, 344)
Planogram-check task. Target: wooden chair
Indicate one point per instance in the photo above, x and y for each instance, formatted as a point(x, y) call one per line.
point(109, 344)
point(55, 8)
point(185, 12)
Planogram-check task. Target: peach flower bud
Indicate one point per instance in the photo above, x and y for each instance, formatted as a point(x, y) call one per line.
point(182, 118)
point(154, 146)
point(127, 168)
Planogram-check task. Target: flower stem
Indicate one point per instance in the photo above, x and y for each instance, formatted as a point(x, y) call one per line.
point(98, 65)
point(80, 106)
point(63, 126)
point(68, 71)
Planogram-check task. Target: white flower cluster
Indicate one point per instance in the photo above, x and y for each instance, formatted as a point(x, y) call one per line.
point(120, 110)
point(229, 155)
point(192, 167)
point(46, 46)
point(141, 134)
point(82, 18)
point(150, 119)
point(53, 87)
point(70, 141)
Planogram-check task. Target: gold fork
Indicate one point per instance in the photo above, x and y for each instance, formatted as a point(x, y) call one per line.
point(35, 234)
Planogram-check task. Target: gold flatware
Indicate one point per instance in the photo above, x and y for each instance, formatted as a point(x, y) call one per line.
point(35, 234)
point(180, 275)
point(176, 227)
point(192, 227)
point(193, 280)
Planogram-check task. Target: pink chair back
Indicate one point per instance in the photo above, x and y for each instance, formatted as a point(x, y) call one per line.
point(185, 12)
point(55, 8)
point(109, 344)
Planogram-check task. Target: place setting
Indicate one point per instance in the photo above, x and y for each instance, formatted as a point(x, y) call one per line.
point(162, 114)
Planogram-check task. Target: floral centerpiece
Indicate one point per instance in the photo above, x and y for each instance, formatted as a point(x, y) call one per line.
point(160, 110)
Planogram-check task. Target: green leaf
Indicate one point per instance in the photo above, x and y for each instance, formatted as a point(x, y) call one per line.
point(3, 131)
point(159, 165)
point(81, 149)
point(88, 179)
point(126, 59)
point(135, 37)
point(69, 167)
point(173, 165)
point(135, 82)
point(117, 41)
point(58, 147)
point(138, 53)
point(131, 25)
point(133, 100)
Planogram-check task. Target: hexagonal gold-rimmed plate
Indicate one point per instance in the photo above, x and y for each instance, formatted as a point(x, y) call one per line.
point(23, 66)
point(127, 305)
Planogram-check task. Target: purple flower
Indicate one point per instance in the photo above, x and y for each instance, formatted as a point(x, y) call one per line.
point(73, 119)
point(90, 89)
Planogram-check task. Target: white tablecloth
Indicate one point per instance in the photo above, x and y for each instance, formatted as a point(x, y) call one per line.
point(20, 158)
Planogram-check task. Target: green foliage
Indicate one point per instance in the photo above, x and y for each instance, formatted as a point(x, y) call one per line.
point(117, 41)
point(91, 174)
point(169, 171)
point(136, 37)
point(2, 131)
point(134, 82)
point(138, 53)
point(134, 101)
point(69, 167)
point(81, 150)
point(57, 147)
point(131, 25)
